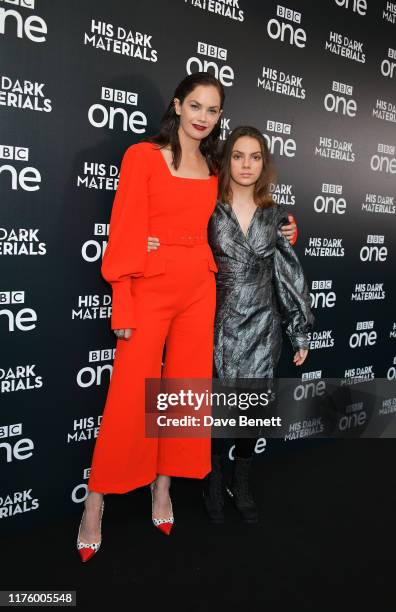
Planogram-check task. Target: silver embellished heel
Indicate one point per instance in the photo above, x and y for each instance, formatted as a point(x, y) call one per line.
point(163, 524)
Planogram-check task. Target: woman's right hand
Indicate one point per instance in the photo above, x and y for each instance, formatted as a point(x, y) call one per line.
point(123, 334)
point(152, 243)
point(290, 231)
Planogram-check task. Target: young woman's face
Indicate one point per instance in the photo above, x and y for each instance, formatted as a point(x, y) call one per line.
point(199, 111)
point(246, 161)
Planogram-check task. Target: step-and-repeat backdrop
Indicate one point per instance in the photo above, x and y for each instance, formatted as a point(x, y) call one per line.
point(79, 83)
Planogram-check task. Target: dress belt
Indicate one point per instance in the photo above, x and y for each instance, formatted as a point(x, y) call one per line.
point(180, 237)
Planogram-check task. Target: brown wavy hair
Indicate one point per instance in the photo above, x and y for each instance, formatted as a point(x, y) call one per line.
point(169, 125)
point(262, 195)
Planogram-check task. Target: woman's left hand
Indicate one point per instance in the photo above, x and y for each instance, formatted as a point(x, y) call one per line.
point(300, 356)
point(290, 231)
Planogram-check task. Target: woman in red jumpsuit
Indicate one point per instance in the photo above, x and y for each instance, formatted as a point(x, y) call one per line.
point(167, 188)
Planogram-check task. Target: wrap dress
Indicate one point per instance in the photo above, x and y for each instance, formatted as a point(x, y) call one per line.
point(260, 286)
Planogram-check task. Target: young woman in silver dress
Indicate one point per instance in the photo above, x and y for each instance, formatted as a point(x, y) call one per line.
point(259, 285)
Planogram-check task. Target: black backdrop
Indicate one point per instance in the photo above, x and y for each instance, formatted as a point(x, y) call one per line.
point(329, 114)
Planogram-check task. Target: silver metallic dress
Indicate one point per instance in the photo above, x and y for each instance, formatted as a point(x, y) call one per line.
point(260, 286)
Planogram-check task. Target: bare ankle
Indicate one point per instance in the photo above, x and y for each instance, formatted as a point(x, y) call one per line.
point(162, 482)
point(94, 500)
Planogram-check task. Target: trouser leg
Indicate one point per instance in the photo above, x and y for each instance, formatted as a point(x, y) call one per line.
point(123, 457)
point(189, 354)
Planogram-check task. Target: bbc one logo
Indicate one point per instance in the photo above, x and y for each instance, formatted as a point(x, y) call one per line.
point(223, 73)
point(391, 373)
point(374, 250)
point(357, 6)
point(330, 201)
point(92, 250)
point(276, 142)
point(101, 116)
point(384, 160)
point(338, 102)
point(289, 32)
point(21, 450)
point(311, 386)
point(24, 319)
point(32, 27)
point(93, 375)
point(354, 418)
point(365, 335)
point(322, 295)
point(80, 491)
point(387, 66)
point(27, 178)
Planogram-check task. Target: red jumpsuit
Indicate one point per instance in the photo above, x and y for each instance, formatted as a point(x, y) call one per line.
point(166, 295)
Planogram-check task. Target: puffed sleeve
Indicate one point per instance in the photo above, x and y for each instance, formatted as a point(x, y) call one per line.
point(126, 251)
point(291, 288)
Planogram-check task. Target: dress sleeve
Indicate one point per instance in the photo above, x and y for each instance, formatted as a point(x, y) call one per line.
point(291, 288)
point(126, 251)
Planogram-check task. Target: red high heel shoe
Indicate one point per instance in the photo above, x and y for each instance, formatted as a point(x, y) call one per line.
point(164, 525)
point(87, 551)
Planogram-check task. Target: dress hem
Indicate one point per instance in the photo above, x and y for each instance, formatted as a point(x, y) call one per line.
point(127, 487)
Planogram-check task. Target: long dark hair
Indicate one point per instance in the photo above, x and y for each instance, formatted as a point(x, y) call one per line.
point(262, 195)
point(169, 125)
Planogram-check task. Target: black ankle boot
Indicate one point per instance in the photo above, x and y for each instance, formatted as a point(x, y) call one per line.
point(213, 492)
point(240, 492)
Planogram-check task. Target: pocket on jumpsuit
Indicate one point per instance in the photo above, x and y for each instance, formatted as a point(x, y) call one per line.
point(142, 286)
point(155, 264)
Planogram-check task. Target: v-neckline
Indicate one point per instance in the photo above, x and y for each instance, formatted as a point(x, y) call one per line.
point(238, 223)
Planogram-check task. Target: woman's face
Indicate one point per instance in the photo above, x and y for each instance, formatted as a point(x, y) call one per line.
point(246, 161)
point(199, 111)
